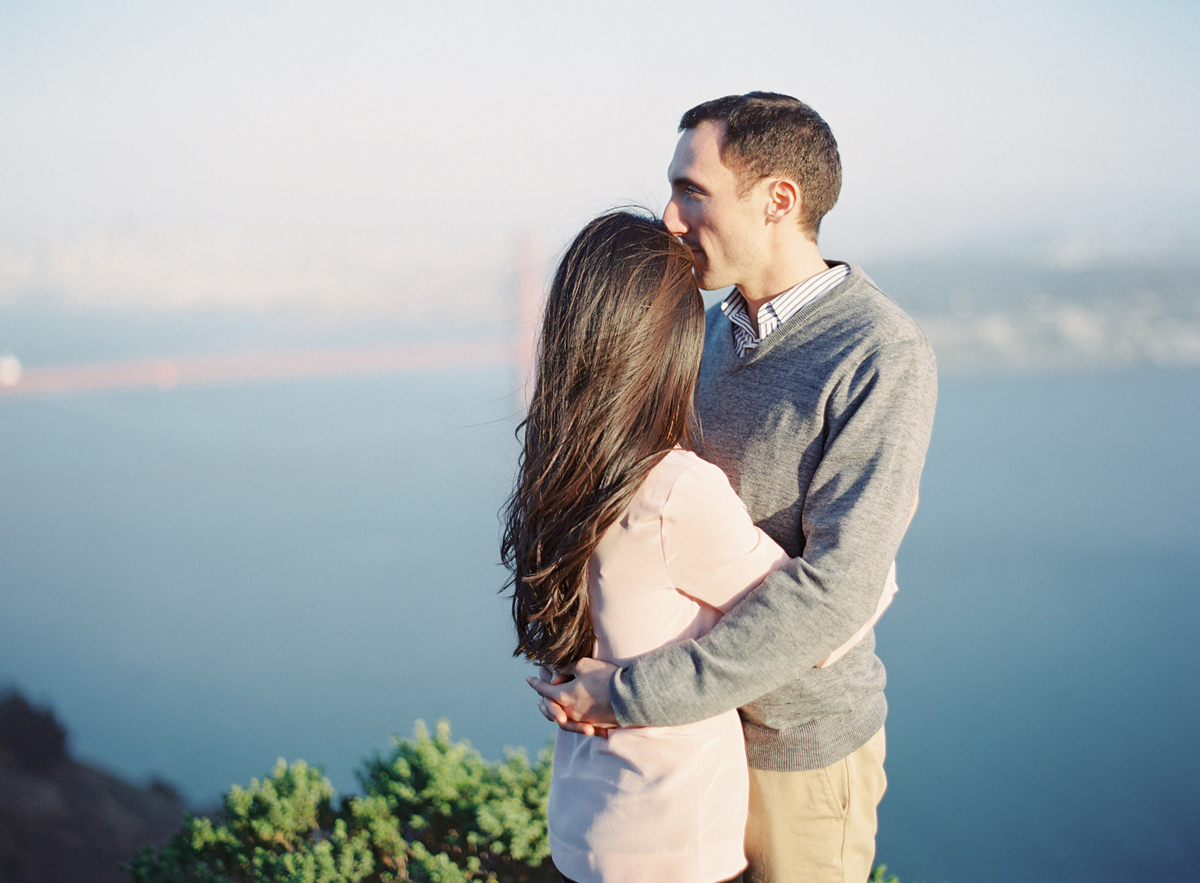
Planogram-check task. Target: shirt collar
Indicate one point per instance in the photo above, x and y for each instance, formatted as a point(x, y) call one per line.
point(778, 309)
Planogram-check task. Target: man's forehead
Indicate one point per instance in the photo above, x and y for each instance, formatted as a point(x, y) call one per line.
point(698, 150)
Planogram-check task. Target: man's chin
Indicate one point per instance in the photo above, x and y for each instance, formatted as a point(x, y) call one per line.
point(709, 281)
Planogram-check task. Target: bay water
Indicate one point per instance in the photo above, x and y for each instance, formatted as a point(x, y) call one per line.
point(204, 579)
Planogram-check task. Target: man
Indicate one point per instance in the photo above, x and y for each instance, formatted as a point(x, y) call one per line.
point(816, 397)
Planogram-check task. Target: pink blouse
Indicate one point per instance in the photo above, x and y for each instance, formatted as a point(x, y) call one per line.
point(661, 803)
point(665, 803)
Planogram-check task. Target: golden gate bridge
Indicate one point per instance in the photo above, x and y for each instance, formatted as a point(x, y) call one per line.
point(165, 373)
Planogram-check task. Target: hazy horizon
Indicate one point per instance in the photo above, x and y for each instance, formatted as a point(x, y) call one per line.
point(272, 152)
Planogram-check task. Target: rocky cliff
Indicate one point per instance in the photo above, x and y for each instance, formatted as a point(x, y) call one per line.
point(62, 820)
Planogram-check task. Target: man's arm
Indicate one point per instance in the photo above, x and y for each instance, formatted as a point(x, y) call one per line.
point(582, 702)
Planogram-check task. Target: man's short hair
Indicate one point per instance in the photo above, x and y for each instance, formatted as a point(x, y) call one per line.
point(771, 134)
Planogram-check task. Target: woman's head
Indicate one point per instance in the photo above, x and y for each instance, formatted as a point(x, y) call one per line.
point(622, 334)
point(617, 365)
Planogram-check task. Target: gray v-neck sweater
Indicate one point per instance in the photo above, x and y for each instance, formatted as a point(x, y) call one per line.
point(822, 431)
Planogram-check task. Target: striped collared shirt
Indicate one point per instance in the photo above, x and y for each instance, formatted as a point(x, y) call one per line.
point(778, 309)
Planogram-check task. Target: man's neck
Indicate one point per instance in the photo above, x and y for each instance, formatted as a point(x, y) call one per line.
point(784, 270)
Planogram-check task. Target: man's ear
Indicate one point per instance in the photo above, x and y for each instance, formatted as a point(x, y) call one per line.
point(784, 200)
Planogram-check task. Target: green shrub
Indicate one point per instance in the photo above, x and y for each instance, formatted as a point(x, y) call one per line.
point(465, 819)
point(880, 875)
point(433, 812)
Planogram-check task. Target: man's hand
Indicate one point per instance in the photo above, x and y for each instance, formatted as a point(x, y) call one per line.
point(580, 702)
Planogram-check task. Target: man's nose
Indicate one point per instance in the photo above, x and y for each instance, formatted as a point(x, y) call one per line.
point(672, 220)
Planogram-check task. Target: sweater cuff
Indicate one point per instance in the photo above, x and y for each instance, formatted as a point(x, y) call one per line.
point(631, 703)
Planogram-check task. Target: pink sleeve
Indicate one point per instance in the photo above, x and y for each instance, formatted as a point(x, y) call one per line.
point(889, 589)
point(712, 550)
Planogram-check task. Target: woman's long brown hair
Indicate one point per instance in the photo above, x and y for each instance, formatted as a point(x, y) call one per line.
point(617, 366)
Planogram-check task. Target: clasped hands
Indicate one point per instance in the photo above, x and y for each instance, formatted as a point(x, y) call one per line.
point(579, 700)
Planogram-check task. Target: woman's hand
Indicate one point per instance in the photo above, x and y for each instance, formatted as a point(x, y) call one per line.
point(579, 701)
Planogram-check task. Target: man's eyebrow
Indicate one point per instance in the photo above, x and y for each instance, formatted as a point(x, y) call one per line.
point(683, 181)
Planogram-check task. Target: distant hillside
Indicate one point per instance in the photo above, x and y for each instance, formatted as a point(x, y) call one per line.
point(988, 314)
point(61, 820)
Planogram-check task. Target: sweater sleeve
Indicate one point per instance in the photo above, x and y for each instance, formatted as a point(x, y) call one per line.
point(711, 548)
point(878, 421)
point(885, 601)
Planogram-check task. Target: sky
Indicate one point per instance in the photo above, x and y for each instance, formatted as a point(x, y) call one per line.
point(393, 129)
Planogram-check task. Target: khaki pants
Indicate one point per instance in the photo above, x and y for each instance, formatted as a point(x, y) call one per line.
point(816, 826)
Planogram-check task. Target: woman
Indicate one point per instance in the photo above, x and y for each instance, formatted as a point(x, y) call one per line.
point(621, 540)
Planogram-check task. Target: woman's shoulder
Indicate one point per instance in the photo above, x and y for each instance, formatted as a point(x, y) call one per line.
point(685, 471)
point(697, 467)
